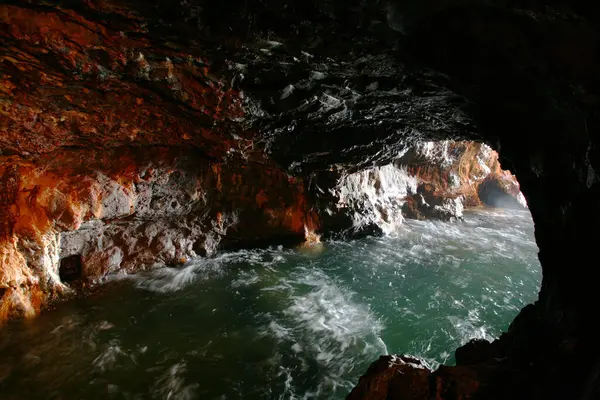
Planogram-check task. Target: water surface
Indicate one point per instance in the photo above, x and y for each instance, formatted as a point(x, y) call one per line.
point(280, 323)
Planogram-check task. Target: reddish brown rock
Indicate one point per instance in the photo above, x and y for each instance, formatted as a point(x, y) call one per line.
point(334, 86)
point(452, 172)
point(393, 377)
point(68, 80)
point(79, 215)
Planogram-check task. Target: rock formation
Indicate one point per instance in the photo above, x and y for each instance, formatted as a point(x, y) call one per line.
point(428, 180)
point(221, 99)
point(82, 214)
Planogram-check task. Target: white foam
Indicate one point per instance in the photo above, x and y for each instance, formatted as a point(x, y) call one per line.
point(109, 357)
point(172, 384)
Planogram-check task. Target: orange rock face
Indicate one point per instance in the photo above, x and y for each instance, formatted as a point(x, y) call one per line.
point(462, 168)
point(127, 209)
point(120, 150)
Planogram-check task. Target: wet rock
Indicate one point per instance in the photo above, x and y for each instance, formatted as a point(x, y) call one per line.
point(426, 204)
point(79, 216)
point(351, 86)
point(453, 169)
point(474, 352)
point(366, 202)
point(501, 190)
point(393, 377)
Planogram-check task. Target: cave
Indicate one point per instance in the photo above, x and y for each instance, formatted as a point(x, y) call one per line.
point(144, 133)
point(70, 269)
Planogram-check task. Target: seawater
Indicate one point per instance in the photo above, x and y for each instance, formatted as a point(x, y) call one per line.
point(280, 323)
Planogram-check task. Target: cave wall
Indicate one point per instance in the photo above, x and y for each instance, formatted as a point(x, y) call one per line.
point(128, 209)
point(428, 180)
point(466, 169)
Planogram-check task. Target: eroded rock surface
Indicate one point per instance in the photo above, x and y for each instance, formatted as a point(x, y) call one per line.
point(393, 377)
point(457, 174)
point(428, 180)
point(95, 213)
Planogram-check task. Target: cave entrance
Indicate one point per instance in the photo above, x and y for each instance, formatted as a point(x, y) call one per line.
point(458, 257)
point(430, 180)
point(70, 269)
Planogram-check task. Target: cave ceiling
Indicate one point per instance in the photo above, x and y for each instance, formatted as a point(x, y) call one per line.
point(313, 83)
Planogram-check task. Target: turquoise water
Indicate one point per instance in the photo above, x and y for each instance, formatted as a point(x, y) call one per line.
point(280, 323)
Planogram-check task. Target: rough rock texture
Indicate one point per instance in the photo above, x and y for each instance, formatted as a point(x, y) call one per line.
point(326, 85)
point(457, 174)
point(435, 179)
point(82, 214)
point(364, 202)
point(393, 375)
point(427, 204)
point(503, 369)
point(458, 168)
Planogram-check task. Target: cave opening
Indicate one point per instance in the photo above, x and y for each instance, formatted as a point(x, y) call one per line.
point(419, 264)
point(70, 269)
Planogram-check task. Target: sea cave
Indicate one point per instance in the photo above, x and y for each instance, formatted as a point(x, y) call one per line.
point(266, 199)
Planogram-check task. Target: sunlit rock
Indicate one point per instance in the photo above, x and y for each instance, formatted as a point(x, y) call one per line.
point(76, 217)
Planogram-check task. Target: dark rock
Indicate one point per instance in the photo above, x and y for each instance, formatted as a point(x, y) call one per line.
point(393, 377)
point(474, 352)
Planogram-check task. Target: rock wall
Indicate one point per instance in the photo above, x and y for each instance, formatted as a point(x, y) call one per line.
point(469, 170)
point(430, 180)
point(76, 216)
point(364, 202)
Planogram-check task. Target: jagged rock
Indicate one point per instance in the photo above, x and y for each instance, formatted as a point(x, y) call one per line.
point(454, 169)
point(365, 202)
point(473, 352)
point(81, 215)
point(393, 377)
point(426, 204)
point(501, 190)
point(431, 180)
